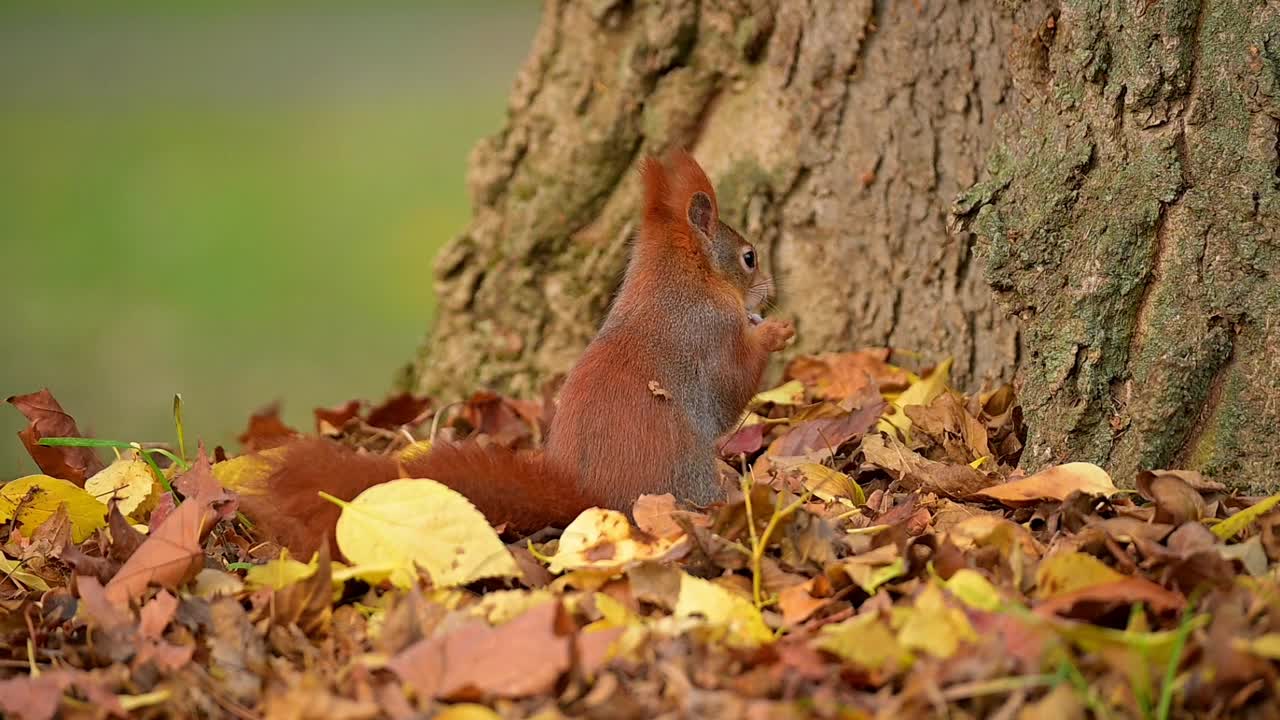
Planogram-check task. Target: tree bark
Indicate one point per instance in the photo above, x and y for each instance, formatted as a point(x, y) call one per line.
point(836, 132)
point(1118, 251)
point(1129, 217)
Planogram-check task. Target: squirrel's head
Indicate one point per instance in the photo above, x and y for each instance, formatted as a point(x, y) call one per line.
point(681, 213)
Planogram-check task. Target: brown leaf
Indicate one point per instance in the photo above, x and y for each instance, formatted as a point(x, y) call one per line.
point(397, 410)
point(653, 514)
point(946, 423)
point(509, 422)
point(152, 647)
point(798, 604)
point(236, 652)
point(266, 430)
point(125, 540)
point(309, 603)
point(51, 537)
point(1176, 501)
point(1092, 602)
point(522, 658)
point(46, 418)
point(918, 473)
point(98, 607)
point(746, 441)
point(333, 419)
point(843, 375)
point(1054, 483)
point(35, 698)
point(593, 649)
point(828, 434)
point(172, 553)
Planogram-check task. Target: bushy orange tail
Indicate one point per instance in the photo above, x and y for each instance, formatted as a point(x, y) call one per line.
point(518, 489)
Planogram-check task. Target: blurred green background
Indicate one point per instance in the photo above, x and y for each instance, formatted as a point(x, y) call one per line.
point(237, 201)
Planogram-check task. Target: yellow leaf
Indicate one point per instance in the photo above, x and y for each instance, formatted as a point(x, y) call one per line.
point(828, 484)
point(46, 494)
point(604, 540)
point(421, 523)
point(791, 393)
point(921, 392)
point(467, 711)
point(1232, 526)
point(973, 589)
point(865, 641)
point(502, 605)
point(1054, 483)
point(932, 625)
point(278, 574)
point(210, 583)
point(128, 480)
point(416, 451)
point(1264, 646)
point(722, 609)
point(375, 574)
point(12, 569)
point(613, 613)
point(246, 473)
point(1066, 572)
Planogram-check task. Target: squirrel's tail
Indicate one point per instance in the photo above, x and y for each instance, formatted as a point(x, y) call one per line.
point(521, 490)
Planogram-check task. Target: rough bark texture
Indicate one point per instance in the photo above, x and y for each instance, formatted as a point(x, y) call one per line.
point(1129, 217)
point(836, 131)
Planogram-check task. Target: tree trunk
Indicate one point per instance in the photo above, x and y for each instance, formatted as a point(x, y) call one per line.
point(1129, 218)
point(1126, 216)
point(837, 133)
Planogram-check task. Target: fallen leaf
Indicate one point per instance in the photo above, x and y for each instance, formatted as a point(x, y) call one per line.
point(865, 641)
point(128, 481)
point(210, 583)
point(46, 419)
point(278, 574)
point(12, 570)
point(1126, 591)
point(1067, 572)
point(335, 418)
point(172, 553)
point(397, 410)
point(931, 625)
point(266, 430)
point(921, 392)
point(604, 540)
point(422, 523)
point(726, 611)
point(842, 375)
point(829, 485)
point(1176, 501)
point(827, 434)
point(1233, 525)
point(653, 514)
point(919, 473)
point(29, 697)
point(973, 589)
point(1055, 483)
point(790, 393)
point(34, 499)
point(797, 603)
point(522, 658)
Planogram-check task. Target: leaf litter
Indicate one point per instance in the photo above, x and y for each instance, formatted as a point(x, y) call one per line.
point(883, 557)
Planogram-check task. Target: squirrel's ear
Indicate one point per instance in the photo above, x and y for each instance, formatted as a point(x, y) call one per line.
point(701, 214)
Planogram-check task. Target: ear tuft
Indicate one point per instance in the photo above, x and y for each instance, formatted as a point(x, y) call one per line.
point(701, 213)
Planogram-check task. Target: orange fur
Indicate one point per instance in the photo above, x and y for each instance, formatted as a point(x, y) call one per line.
point(671, 369)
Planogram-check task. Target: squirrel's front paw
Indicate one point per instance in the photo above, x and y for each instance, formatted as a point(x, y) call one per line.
point(774, 334)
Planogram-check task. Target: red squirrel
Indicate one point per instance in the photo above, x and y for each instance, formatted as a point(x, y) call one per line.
point(678, 358)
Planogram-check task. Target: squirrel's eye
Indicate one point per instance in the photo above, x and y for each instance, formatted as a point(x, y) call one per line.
point(749, 259)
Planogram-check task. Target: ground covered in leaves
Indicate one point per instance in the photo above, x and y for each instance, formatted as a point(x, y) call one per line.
point(881, 557)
